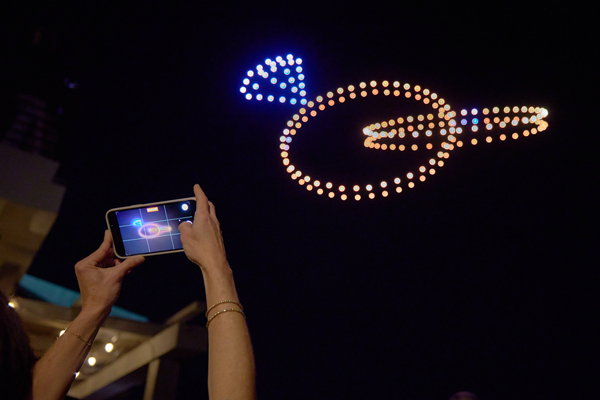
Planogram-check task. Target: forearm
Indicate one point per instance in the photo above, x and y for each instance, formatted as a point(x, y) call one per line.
point(53, 374)
point(231, 371)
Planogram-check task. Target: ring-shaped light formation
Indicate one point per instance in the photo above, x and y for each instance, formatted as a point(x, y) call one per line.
point(440, 132)
point(280, 78)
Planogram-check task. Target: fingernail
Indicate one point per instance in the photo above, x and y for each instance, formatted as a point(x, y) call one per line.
point(138, 259)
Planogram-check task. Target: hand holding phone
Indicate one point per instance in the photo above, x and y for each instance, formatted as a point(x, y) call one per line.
point(149, 229)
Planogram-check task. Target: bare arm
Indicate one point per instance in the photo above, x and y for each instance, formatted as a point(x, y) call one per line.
point(231, 373)
point(53, 374)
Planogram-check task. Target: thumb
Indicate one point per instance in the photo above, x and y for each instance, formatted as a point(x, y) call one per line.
point(126, 266)
point(185, 227)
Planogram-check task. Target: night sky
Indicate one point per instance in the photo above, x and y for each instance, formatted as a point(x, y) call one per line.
point(482, 278)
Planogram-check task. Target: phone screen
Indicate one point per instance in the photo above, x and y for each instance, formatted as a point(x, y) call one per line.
point(151, 228)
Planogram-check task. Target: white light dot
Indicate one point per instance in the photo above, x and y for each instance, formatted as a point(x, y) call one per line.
point(109, 347)
point(282, 99)
point(248, 96)
point(259, 97)
point(474, 111)
point(91, 361)
point(298, 61)
point(250, 73)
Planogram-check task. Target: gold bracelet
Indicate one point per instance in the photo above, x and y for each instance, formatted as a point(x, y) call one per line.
point(224, 311)
point(78, 337)
point(221, 302)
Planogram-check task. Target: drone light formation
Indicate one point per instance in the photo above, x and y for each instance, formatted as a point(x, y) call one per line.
point(438, 133)
point(279, 80)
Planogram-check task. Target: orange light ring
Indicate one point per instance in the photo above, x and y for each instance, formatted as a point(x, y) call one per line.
point(440, 131)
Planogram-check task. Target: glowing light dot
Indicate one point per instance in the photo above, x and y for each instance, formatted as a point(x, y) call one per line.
point(109, 347)
point(282, 99)
point(474, 128)
point(421, 169)
point(488, 139)
point(473, 141)
point(342, 188)
point(344, 197)
point(356, 188)
point(317, 183)
point(357, 197)
point(298, 61)
point(309, 187)
point(432, 171)
point(243, 89)
point(410, 175)
point(271, 98)
point(411, 185)
point(259, 97)
point(298, 69)
point(398, 189)
point(248, 96)
point(331, 195)
point(320, 191)
point(422, 178)
point(383, 184)
point(474, 111)
point(362, 85)
point(371, 196)
point(328, 185)
point(515, 135)
point(369, 187)
point(91, 361)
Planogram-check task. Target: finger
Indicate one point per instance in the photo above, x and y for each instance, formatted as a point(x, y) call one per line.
point(100, 254)
point(201, 199)
point(126, 266)
point(213, 213)
point(185, 227)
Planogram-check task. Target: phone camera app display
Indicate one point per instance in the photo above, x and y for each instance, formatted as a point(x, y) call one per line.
point(154, 228)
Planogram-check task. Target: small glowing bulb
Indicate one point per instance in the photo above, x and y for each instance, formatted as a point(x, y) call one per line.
point(12, 304)
point(61, 332)
point(109, 347)
point(91, 361)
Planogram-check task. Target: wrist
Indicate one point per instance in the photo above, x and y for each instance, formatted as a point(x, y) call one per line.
point(94, 315)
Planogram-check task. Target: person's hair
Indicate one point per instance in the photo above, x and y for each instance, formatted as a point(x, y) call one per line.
point(16, 355)
point(464, 396)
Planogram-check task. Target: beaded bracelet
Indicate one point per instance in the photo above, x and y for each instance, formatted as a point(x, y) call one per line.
point(221, 302)
point(224, 311)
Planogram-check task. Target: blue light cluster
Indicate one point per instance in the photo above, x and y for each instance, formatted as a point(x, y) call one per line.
point(274, 77)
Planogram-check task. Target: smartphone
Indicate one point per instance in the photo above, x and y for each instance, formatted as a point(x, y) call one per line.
point(149, 229)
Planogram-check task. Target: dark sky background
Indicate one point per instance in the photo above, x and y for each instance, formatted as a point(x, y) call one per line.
point(483, 278)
